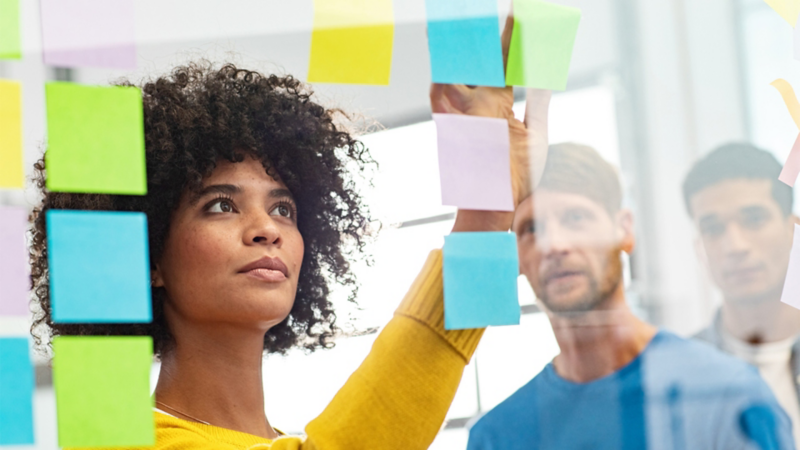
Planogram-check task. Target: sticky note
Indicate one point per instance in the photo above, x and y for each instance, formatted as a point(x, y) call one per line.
point(11, 171)
point(99, 266)
point(14, 280)
point(89, 33)
point(789, 10)
point(102, 386)
point(474, 162)
point(791, 284)
point(10, 47)
point(789, 97)
point(480, 280)
point(541, 44)
point(16, 392)
point(352, 42)
point(791, 168)
point(95, 139)
point(464, 42)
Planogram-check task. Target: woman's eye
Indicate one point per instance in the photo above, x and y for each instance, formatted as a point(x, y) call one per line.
point(283, 210)
point(221, 206)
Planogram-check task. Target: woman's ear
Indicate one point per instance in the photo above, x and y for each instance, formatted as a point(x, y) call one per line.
point(156, 280)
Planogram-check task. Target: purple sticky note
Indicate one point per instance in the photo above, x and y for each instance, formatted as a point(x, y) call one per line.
point(792, 165)
point(89, 33)
point(791, 284)
point(13, 262)
point(474, 162)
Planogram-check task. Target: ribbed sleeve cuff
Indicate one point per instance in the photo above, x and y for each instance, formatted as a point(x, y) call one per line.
point(424, 303)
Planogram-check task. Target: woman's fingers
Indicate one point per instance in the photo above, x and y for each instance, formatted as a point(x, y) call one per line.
point(537, 105)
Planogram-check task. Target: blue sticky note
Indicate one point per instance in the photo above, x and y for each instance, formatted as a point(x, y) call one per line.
point(16, 392)
point(480, 280)
point(99, 266)
point(464, 42)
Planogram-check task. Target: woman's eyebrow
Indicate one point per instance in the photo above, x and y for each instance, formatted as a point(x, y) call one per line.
point(278, 193)
point(228, 189)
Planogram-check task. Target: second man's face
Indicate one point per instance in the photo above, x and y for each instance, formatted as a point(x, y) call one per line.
point(569, 249)
point(746, 238)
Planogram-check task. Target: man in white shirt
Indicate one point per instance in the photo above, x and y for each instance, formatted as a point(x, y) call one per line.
point(744, 218)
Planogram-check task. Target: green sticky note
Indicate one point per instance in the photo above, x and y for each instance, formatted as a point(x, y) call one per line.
point(541, 44)
point(102, 386)
point(10, 47)
point(95, 139)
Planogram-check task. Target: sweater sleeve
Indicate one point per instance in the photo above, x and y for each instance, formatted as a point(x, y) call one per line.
point(399, 396)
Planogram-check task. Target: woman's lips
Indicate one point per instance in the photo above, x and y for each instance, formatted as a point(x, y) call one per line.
point(268, 275)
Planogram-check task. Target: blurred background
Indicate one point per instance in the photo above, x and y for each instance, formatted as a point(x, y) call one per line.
point(654, 84)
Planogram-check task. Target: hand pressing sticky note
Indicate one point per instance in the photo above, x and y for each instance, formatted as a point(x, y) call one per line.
point(464, 42)
point(474, 162)
point(99, 266)
point(789, 10)
point(16, 392)
point(791, 284)
point(14, 280)
point(95, 139)
point(541, 44)
point(89, 33)
point(352, 42)
point(10, 47)
point(102, 389)
point(11, 172)
point(480, 280)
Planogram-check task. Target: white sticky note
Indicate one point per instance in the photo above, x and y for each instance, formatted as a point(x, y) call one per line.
point(791, 285)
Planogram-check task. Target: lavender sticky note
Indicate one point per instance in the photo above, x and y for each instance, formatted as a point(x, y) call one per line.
point(480, 280)
point(474, 162)
point(16, 392)
point(89, 33)
point(791, 284)
point(13, 262)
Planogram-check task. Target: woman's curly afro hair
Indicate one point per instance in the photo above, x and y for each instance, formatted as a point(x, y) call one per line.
point(196, 117)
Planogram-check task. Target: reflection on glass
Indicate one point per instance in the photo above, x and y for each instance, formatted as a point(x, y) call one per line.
point(744, 221)
point(619, 382)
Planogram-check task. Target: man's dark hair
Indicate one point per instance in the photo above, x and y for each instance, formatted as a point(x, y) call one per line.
point(579, 169)
point(737, 161)
point(196, 117)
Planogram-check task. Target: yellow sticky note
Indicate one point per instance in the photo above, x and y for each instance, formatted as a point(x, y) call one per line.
point(789, 97)
point(11, 173)
point(788, 9)
point(352, 42)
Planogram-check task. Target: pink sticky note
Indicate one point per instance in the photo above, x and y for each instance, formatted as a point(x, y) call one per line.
point(474, 162)
point(792, 166)
point(13, 262)
point(89, 33)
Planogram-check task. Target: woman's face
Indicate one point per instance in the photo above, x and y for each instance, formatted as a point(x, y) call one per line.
point(233, 252)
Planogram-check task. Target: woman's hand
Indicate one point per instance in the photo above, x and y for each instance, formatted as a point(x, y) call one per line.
point(528, 139)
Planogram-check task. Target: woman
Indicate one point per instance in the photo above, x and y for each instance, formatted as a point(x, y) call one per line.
point(249, 208)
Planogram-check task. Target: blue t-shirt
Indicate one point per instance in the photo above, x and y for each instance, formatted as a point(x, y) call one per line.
point(677, 395)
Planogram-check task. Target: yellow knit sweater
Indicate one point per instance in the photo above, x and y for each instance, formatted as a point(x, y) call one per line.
point(396, 399)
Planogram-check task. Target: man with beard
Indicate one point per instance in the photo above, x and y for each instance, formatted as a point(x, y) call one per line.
point(745, 225)
point(619, 382)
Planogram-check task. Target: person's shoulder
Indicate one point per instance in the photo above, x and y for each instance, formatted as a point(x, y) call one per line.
point(513, 410)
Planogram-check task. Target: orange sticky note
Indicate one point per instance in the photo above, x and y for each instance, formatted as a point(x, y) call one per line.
point(352, 42)
point(11, 172)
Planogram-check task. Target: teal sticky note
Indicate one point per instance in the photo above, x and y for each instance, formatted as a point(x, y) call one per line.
point(16, 392)
point(99, 266)
point(464, 42)
point(480, 280)
point(102, 386)
point(95, 139)
point(541, 44)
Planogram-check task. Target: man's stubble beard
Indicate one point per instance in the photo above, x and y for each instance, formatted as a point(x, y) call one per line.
point(597, 295)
